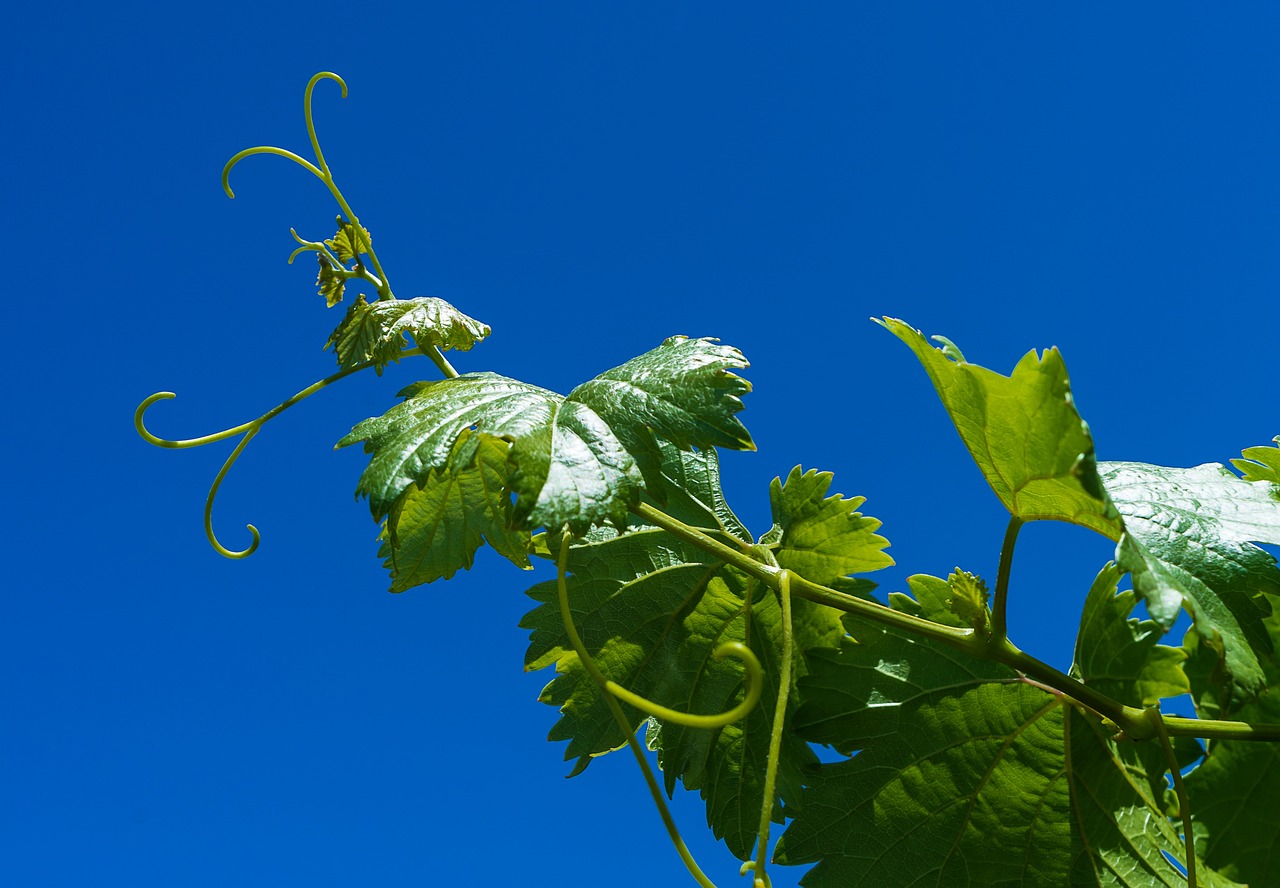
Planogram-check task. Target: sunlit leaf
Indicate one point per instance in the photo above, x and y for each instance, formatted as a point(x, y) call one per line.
point(376, 331)
point(651, 609)
point(350, 241)
point(570, 457)
point(435, 528)
point(1022, 430)
point(823, 537)
point(1189, 542)
point(1260, 463)
point(567, 466)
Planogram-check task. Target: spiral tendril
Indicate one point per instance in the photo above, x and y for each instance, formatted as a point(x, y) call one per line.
point(248, 430)
point(615, 708)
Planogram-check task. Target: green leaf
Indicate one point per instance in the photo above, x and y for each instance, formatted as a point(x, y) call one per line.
point(377, 331)
point(1261, 463)
point(1122, 657)
point(966, 776)
point(684, 391)
point(1189, 542)
point(570, 462)
point(651, 609)
point(567, 466)
point(330, 283)
point(435, 528)
point(969, 599)
point(1022, 430)
point(823, 537)
point(350, 241)
point(688, 489)
point(935, 598)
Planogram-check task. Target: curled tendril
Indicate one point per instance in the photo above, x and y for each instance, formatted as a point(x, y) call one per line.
point(615, 708)
point(320, 171)
point(754, 677)
point(248, 430)
point(754, 687)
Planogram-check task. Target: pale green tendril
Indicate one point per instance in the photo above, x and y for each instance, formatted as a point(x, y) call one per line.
point(248, 430)
point(618, 716)
point(320, 169)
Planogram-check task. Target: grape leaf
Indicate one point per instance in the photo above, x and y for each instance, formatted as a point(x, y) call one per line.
point(823, 538)
point(684, 391)
point(349, 242)
point(966, 776)
point(435, 528)
point(1122, 657)
point(329, 283)
point(569, 465)
point(1260, 463)
point(1188, 543)
point(651, 609)
point(1022, 430)
point(376, 331)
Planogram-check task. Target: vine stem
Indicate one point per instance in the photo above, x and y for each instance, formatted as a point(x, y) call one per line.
point(1131, 721)
point(1000, 606)
point(619, 716)
point(1184, 803)
point(775, 734)
point(249, 430)
point(320, 169)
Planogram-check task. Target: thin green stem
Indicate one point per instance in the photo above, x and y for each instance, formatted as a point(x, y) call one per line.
point(213, 492)
point(249, 430)
point(775, 735)
point(620, 717)
point(253, 423)
point(999, 608)
point(1130, 720)
point(1184, 803)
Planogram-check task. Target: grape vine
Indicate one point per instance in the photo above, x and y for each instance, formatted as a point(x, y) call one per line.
point(968, 761)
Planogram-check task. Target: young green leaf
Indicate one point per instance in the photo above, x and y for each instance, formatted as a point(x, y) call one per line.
point(1023, 431)
point(967, 776)
point(329, 283)
point(1260, 463)
point(823, 538)
point(350, 241)
point(376, 331)
point(435, 528)
point(1189, 542)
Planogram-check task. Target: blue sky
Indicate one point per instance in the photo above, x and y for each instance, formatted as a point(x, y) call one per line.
point(588, 179)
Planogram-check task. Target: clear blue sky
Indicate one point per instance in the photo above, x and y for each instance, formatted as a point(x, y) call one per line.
point(588, 179)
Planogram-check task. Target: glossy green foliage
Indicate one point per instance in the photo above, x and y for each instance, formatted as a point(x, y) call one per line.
point(652, 608)
point(968, 776)
point(376, 331)
point(435, 527)
point(1022, 430)
point(1187, 544)
point(570, 463)
point(961, 759)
